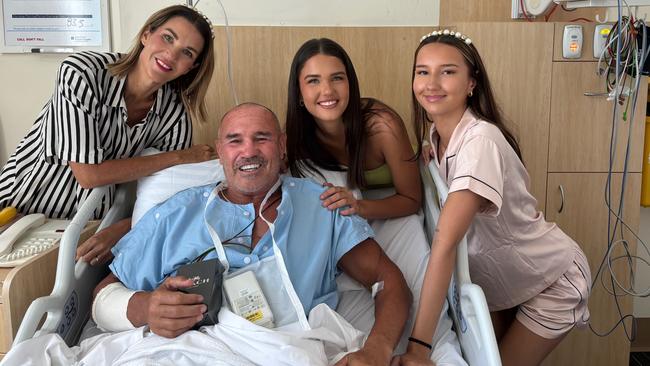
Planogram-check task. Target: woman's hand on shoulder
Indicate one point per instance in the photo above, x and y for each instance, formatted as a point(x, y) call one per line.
point(196, 154)
point(336, 197)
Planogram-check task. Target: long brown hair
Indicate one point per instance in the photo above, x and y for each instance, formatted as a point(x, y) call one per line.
point(481, 102)
point(193, 86)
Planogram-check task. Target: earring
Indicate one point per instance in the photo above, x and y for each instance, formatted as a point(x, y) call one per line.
point(471, 93)
point(301, 102)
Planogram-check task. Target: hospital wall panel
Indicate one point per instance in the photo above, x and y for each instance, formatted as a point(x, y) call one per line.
point(261, 58)
point(28, 79)
point(383, 59)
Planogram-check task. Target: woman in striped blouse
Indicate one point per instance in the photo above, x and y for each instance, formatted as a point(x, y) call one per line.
point(106, 108)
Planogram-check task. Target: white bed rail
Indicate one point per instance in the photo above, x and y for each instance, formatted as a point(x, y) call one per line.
point(68, 306)
point(466, 300)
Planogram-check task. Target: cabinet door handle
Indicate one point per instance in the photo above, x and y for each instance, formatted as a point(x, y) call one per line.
point(562, 199)
point(596, 94)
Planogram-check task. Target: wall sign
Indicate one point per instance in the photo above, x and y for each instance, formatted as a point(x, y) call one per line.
point(40, 26)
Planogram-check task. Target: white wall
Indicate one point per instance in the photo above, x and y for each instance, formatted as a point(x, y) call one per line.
point(26, 80)
point(642, 12)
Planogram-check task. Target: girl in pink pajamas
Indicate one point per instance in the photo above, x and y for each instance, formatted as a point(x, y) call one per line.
point(536, 279)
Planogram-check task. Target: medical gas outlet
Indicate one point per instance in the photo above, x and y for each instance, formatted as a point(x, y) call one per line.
point(572, 41)
point(601, 35)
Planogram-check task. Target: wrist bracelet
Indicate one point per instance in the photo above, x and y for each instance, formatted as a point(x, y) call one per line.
point(421, 343)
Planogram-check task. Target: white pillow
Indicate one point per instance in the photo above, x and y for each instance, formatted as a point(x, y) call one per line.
point(161, 185)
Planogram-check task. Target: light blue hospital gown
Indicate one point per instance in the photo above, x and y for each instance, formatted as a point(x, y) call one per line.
point(311, 238)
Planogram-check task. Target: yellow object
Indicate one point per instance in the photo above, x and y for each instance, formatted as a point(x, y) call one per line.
point(7, 214)
point(645, 176)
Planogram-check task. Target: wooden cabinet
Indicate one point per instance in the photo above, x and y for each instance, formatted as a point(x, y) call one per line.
point(580, 126)
point(20, 286)
point(584, 217)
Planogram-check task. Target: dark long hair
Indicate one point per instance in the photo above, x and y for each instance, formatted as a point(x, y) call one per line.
point(304, 152)
point(482, 101)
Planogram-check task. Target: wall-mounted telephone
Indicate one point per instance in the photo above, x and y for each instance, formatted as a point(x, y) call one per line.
point(27, 237)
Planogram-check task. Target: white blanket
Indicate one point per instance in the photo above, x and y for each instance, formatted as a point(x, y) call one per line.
point(234, 341)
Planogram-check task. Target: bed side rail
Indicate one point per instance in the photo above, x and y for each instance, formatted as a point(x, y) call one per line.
point(467, 303)
point(68, 306)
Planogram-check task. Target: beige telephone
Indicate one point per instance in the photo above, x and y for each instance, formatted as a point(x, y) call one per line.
point(27, 237)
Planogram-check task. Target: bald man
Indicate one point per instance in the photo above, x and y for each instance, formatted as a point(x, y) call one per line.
point(316, 244)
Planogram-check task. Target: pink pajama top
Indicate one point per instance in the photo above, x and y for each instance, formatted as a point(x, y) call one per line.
point(514, 253)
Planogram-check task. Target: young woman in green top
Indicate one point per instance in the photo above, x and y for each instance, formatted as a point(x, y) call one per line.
point(329, 126)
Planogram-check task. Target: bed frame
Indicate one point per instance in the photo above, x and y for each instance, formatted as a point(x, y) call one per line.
point(68, 307)
point(467, 303)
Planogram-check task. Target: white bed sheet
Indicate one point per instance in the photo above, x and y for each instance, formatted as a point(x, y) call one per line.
point(234, 341)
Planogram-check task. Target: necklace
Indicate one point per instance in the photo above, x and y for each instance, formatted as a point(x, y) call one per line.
point(223, 195)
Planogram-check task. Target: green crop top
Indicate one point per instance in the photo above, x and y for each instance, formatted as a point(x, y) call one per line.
point(378, 178)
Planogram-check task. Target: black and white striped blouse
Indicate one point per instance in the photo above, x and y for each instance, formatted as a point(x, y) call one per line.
point(85, 122)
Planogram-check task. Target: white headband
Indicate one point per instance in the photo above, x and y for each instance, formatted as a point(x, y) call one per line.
point(449, 33)
point(207, 20)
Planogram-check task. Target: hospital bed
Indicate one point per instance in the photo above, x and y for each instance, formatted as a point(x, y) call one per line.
point(68, 307)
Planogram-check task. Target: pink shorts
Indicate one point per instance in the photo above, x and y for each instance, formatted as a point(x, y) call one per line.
point(562, 305)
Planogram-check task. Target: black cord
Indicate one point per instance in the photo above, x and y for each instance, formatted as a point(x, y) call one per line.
point(621, 320)
point(201, 256)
